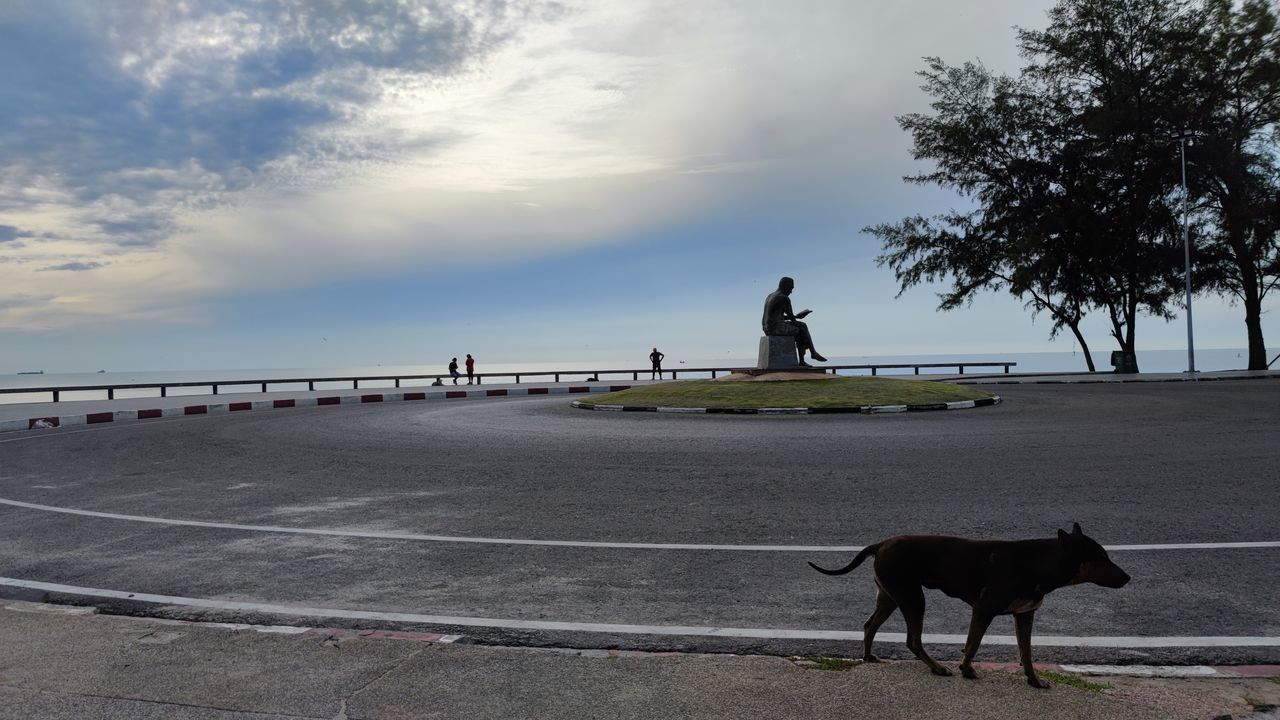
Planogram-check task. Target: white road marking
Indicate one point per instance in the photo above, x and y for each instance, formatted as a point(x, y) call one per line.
point(427, 538)
point(555, 543)
point(627, 629)
point(1196, 546)
point(1165, 671)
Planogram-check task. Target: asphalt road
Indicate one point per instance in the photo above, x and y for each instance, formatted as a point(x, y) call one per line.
point(1134, 464)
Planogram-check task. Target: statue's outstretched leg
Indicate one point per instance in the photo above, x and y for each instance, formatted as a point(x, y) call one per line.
point(806, 342)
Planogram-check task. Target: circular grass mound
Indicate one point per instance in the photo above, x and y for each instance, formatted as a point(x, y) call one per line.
point(846, 392)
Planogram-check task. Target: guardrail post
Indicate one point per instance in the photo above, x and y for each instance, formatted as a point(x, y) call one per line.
point(215, 389)
point(55, 396)
point(713, 374)
point(355, 383)
point(517, 379)
point(397, 382)
point(673, 374)
point(311, 384)
point(961, 369)
point(264, 387)
point(1006, 369)
point(164, 392)
point(479, 379)
point(917, 369)
point(873, 371)
point(557, 377)
point(111, 393)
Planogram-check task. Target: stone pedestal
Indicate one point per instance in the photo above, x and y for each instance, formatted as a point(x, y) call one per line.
point(777, 352)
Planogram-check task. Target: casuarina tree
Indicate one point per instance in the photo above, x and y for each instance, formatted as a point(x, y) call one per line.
point(1068, 168)
point(999, 141)
point(1234, 115)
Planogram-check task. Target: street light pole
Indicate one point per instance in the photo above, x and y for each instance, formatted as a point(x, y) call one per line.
point(1186, 249)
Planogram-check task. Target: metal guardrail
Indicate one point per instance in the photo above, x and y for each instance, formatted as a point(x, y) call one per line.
point(555, 374)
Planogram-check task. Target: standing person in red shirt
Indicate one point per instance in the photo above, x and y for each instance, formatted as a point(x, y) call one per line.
point(471, 367)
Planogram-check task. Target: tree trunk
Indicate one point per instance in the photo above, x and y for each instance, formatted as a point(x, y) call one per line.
point(1252, 301)
point(1253, 323)
point(1088, 357)
point(1131, 328)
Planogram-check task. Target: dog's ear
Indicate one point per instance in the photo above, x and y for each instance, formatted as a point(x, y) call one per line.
point(1075, 529)
point(1063, 536)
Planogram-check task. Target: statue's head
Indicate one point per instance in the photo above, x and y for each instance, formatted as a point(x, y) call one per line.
point(786, 285)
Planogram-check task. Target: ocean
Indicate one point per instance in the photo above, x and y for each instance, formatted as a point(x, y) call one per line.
point(1148, 360)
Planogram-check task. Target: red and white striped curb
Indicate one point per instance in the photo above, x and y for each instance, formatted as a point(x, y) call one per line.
point(54, 421)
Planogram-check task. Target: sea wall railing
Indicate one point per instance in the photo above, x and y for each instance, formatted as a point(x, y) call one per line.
point(554, 375)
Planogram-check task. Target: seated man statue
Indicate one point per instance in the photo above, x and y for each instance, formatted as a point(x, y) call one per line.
point(780, 320)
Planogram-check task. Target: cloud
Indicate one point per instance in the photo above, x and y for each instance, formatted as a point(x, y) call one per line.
point(201, 149)
point(176, 106)
point(73, 266)
point(9, 302)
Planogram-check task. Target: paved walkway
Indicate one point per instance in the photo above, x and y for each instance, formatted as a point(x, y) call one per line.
point(1108, 377)
point(62, 662)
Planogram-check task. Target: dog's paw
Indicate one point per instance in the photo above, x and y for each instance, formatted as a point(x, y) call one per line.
point(870, 658)
point(968, 672)
point(941, 671)
point(1037, 683)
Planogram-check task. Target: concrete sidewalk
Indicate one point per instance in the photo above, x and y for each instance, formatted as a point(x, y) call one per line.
point(63, 662)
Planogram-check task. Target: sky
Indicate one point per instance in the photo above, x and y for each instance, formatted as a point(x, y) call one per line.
point(214, 184)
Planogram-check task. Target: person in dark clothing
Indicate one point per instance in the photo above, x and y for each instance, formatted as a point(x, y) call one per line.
point(453, 370)
point(471, 367)
point(655, 357)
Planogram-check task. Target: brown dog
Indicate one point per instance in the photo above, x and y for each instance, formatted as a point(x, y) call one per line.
point(994, 577)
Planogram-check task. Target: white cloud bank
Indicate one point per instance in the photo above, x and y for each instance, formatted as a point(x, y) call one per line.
point(229, 147)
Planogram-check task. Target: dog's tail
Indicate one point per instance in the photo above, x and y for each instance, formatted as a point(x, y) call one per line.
point(868, 551)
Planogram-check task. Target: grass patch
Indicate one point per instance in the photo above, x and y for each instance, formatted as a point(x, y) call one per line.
point(1075, 681)
point(830, 664)
point(844, 392)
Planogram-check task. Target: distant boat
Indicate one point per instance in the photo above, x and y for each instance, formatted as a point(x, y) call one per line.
point(31, 372)
point(101, 371)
